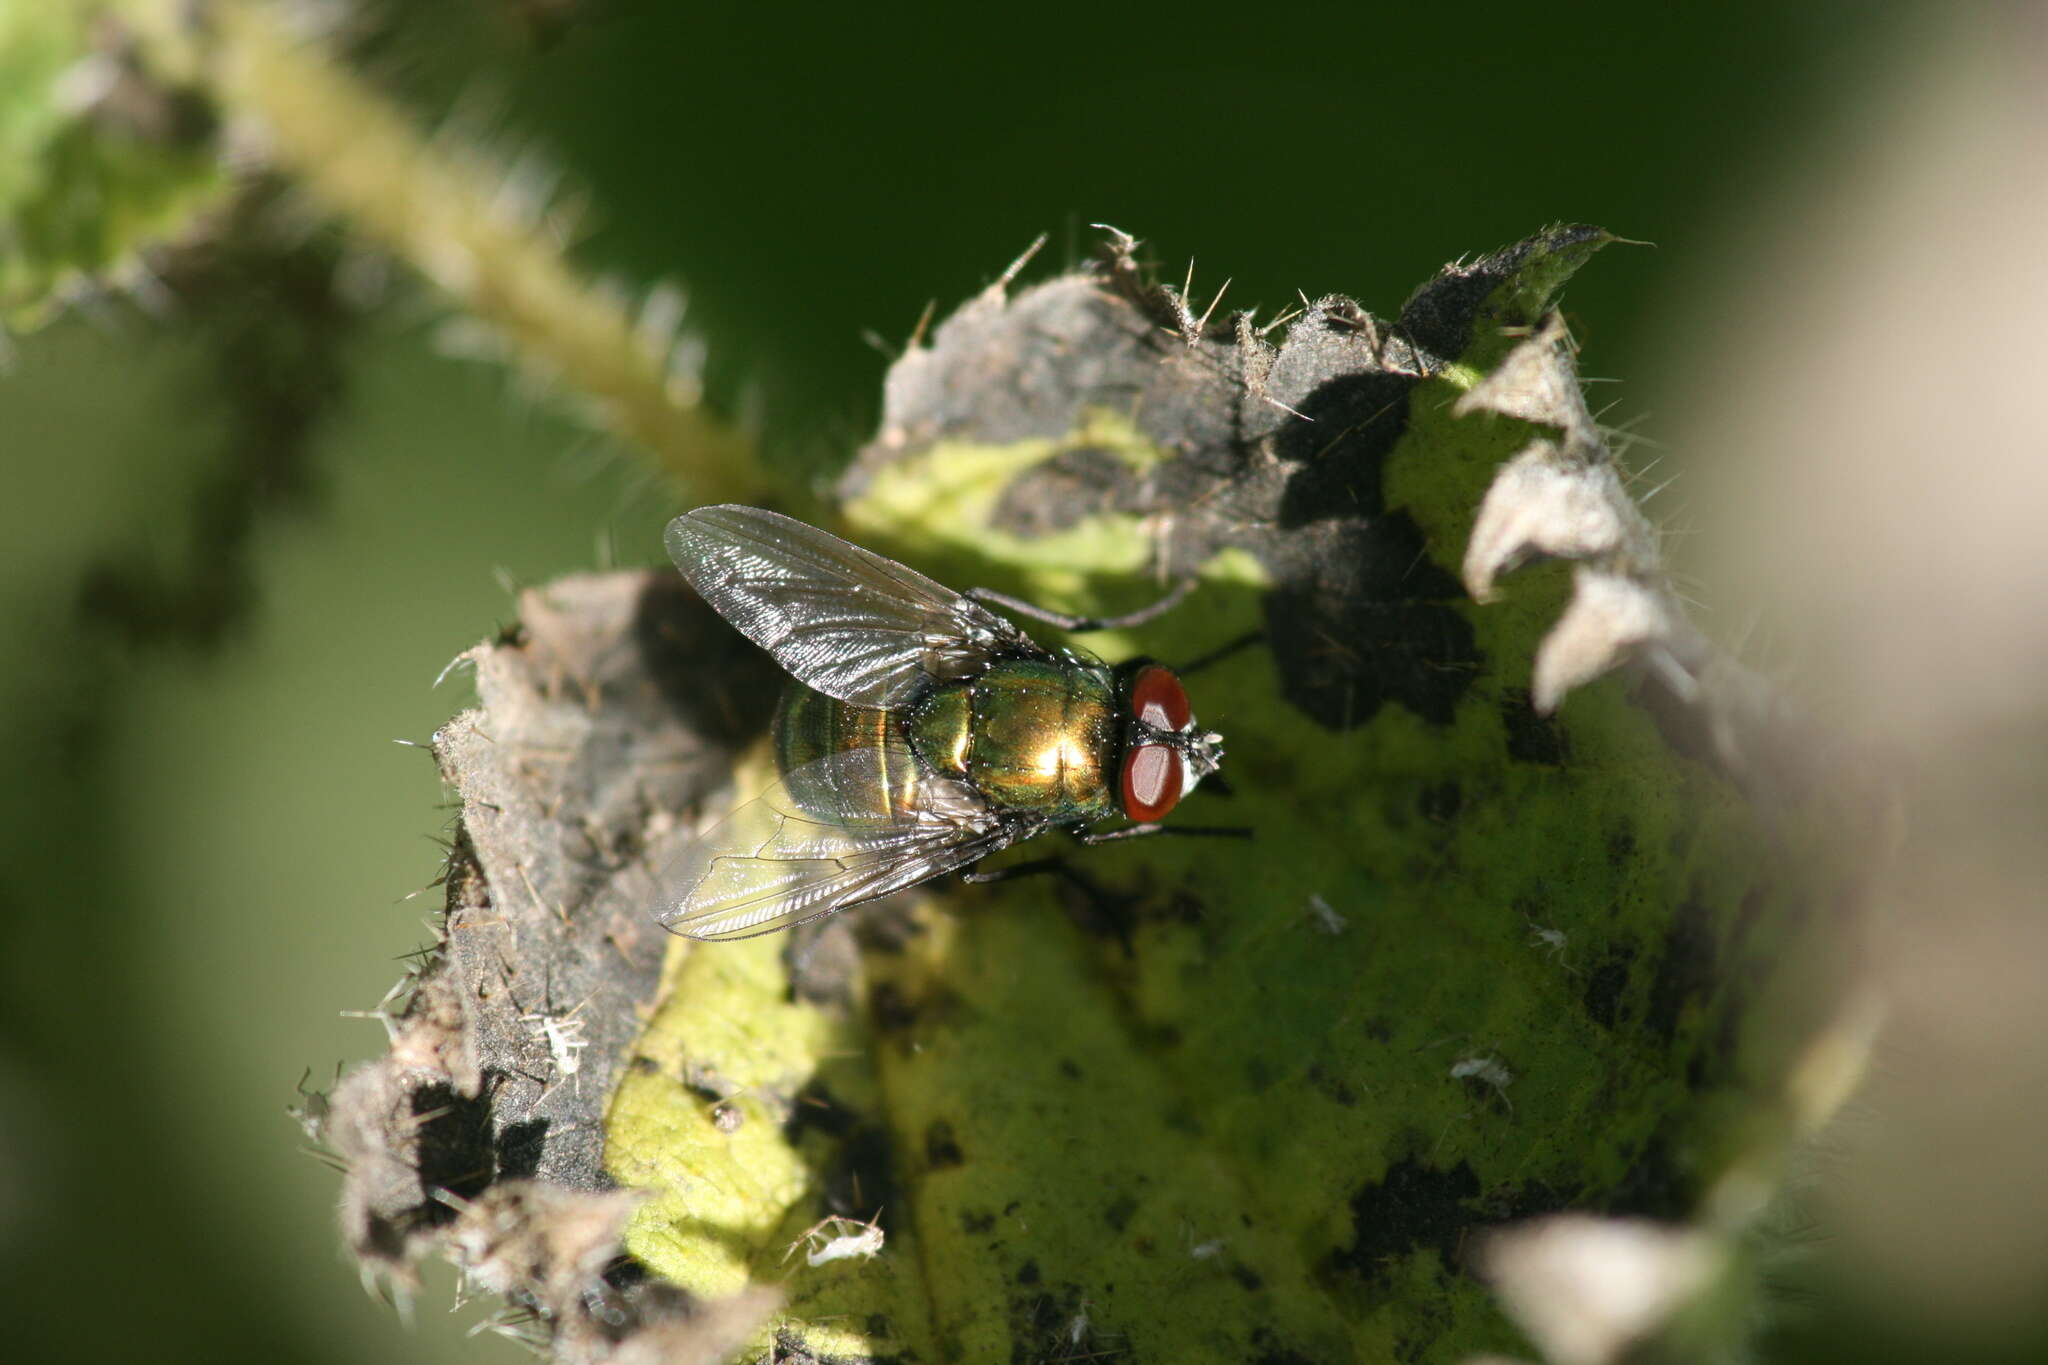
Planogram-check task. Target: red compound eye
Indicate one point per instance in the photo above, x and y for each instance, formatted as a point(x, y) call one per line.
point(1152, 778)
point(1158, 699)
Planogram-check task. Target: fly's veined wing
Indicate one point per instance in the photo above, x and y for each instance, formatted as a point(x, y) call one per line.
point(794, 853)
point(842, 620)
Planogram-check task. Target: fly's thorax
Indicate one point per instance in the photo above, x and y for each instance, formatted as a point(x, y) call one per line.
point(810, 725)
point(1033, 735)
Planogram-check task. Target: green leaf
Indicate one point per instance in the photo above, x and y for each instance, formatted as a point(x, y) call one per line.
point(1239, 1100)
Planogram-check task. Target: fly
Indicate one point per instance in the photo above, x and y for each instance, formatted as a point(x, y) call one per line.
point(922, 731)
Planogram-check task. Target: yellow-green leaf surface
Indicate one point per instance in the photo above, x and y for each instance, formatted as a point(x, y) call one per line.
point(1237, 1100)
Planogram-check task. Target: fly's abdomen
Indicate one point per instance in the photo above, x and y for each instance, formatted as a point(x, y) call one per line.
point(1042, 738)
point(810, 726)
point(942, 728)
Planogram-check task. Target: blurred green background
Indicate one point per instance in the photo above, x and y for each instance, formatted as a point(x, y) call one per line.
point(211, 834)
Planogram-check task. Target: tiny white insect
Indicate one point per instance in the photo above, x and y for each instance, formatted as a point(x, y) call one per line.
point(1488, 1070)
point(1327, 919)
point(1552, 940)
point(565, 1039)
point(864, 1241)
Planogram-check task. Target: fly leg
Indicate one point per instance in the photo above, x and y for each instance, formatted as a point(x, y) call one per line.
point(1063, 621)
point(1030, 868)
point(1150, 827)
point(1220, 653)
point(1090, 838)
point(1096, 908)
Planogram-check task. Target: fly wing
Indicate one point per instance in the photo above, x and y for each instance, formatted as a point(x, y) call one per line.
point(842, 620)
point(781, 859)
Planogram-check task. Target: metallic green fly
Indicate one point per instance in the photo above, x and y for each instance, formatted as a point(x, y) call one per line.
point(922, 731)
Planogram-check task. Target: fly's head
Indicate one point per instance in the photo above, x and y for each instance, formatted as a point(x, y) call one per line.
point(1165, 755)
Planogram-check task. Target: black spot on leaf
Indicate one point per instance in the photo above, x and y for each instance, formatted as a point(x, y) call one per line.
point(791, 1349)
point(941, 1148)
point(1621, 846)
point(892, 1010)
point(1333, 1086)
point(1412, 1207)
point(1440, 801)
point(1272, 1352)
point(1532, 738)
point(1606, 984)
point(1685, 973)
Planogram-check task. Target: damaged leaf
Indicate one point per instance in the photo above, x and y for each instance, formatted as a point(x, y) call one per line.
point(617, 705)
point(1484, 959)
point(1162, 1108)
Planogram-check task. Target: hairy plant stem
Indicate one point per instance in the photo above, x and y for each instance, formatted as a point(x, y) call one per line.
point(444, 211)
